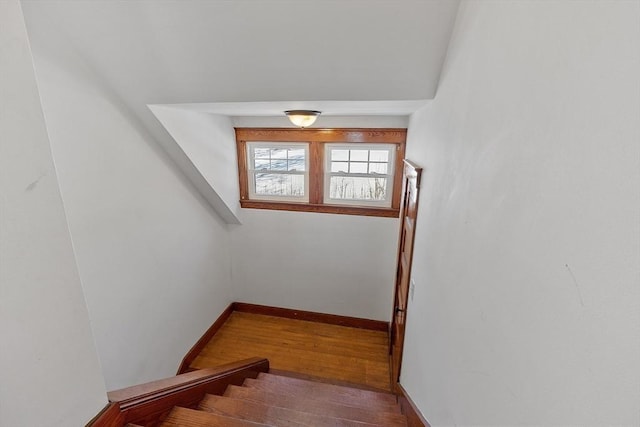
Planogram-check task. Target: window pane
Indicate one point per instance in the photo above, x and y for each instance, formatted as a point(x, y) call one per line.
point(353, 188)
point(296, 165)
point(261, 153)
point(379, 156)
point(273, 184)
point(359, 155)
point(378, 168)
point(278, 153)
point(279, 165)
point(296, 154)
point(261, 164)
point(358, 168)
point(340, 155)
point(340, 167)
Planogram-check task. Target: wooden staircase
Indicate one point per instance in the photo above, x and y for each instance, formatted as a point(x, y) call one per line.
point(275, 400)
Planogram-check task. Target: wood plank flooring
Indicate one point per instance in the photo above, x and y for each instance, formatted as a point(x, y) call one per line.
point(317, 349)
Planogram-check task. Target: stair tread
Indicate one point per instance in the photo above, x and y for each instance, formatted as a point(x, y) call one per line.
point(327, 392)
point(381, 395)
point(183, 417)
point(282, 417)
point(316, 406)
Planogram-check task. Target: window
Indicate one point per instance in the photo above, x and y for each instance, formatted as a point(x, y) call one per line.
point(278, 171)
point(344, 171)
point(356, 174)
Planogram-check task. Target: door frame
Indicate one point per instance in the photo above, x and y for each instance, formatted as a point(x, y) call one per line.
point(412, 176)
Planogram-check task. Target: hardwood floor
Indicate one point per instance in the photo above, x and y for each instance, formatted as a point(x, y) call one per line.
point(317, 349)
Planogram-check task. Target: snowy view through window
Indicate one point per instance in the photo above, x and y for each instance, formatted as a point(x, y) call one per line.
point(339, 171)
point(279, 171)
point(358, 174)
point(353, 174)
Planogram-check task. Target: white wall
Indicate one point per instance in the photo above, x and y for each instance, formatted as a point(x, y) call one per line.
point(209, 141)
point(338, 264)
point(49, 369)
point(152, 254)
point(309, 261)
point(527, 302)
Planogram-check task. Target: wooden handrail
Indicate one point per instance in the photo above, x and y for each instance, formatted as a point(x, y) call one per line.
point(147, 404)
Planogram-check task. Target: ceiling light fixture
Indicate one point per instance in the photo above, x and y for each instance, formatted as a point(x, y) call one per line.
point(302, 118)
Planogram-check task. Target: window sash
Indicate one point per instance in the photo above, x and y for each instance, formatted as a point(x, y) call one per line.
point(389, 176)
point(252, 172)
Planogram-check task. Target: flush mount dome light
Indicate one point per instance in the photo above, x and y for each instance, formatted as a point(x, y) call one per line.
point(302, 118)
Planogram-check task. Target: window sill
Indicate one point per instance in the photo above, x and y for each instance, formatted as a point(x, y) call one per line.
point(332, 209)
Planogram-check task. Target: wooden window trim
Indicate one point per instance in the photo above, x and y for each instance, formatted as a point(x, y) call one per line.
point(316, 139)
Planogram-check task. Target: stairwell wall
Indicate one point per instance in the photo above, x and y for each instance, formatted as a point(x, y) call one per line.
point(527, 300)
point(49, 369)
point(337, 264)
point(152, 254)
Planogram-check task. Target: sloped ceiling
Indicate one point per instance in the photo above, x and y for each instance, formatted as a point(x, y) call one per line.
point(287, 51)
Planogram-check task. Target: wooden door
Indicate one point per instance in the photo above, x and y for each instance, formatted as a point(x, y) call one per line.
point(412, 175)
